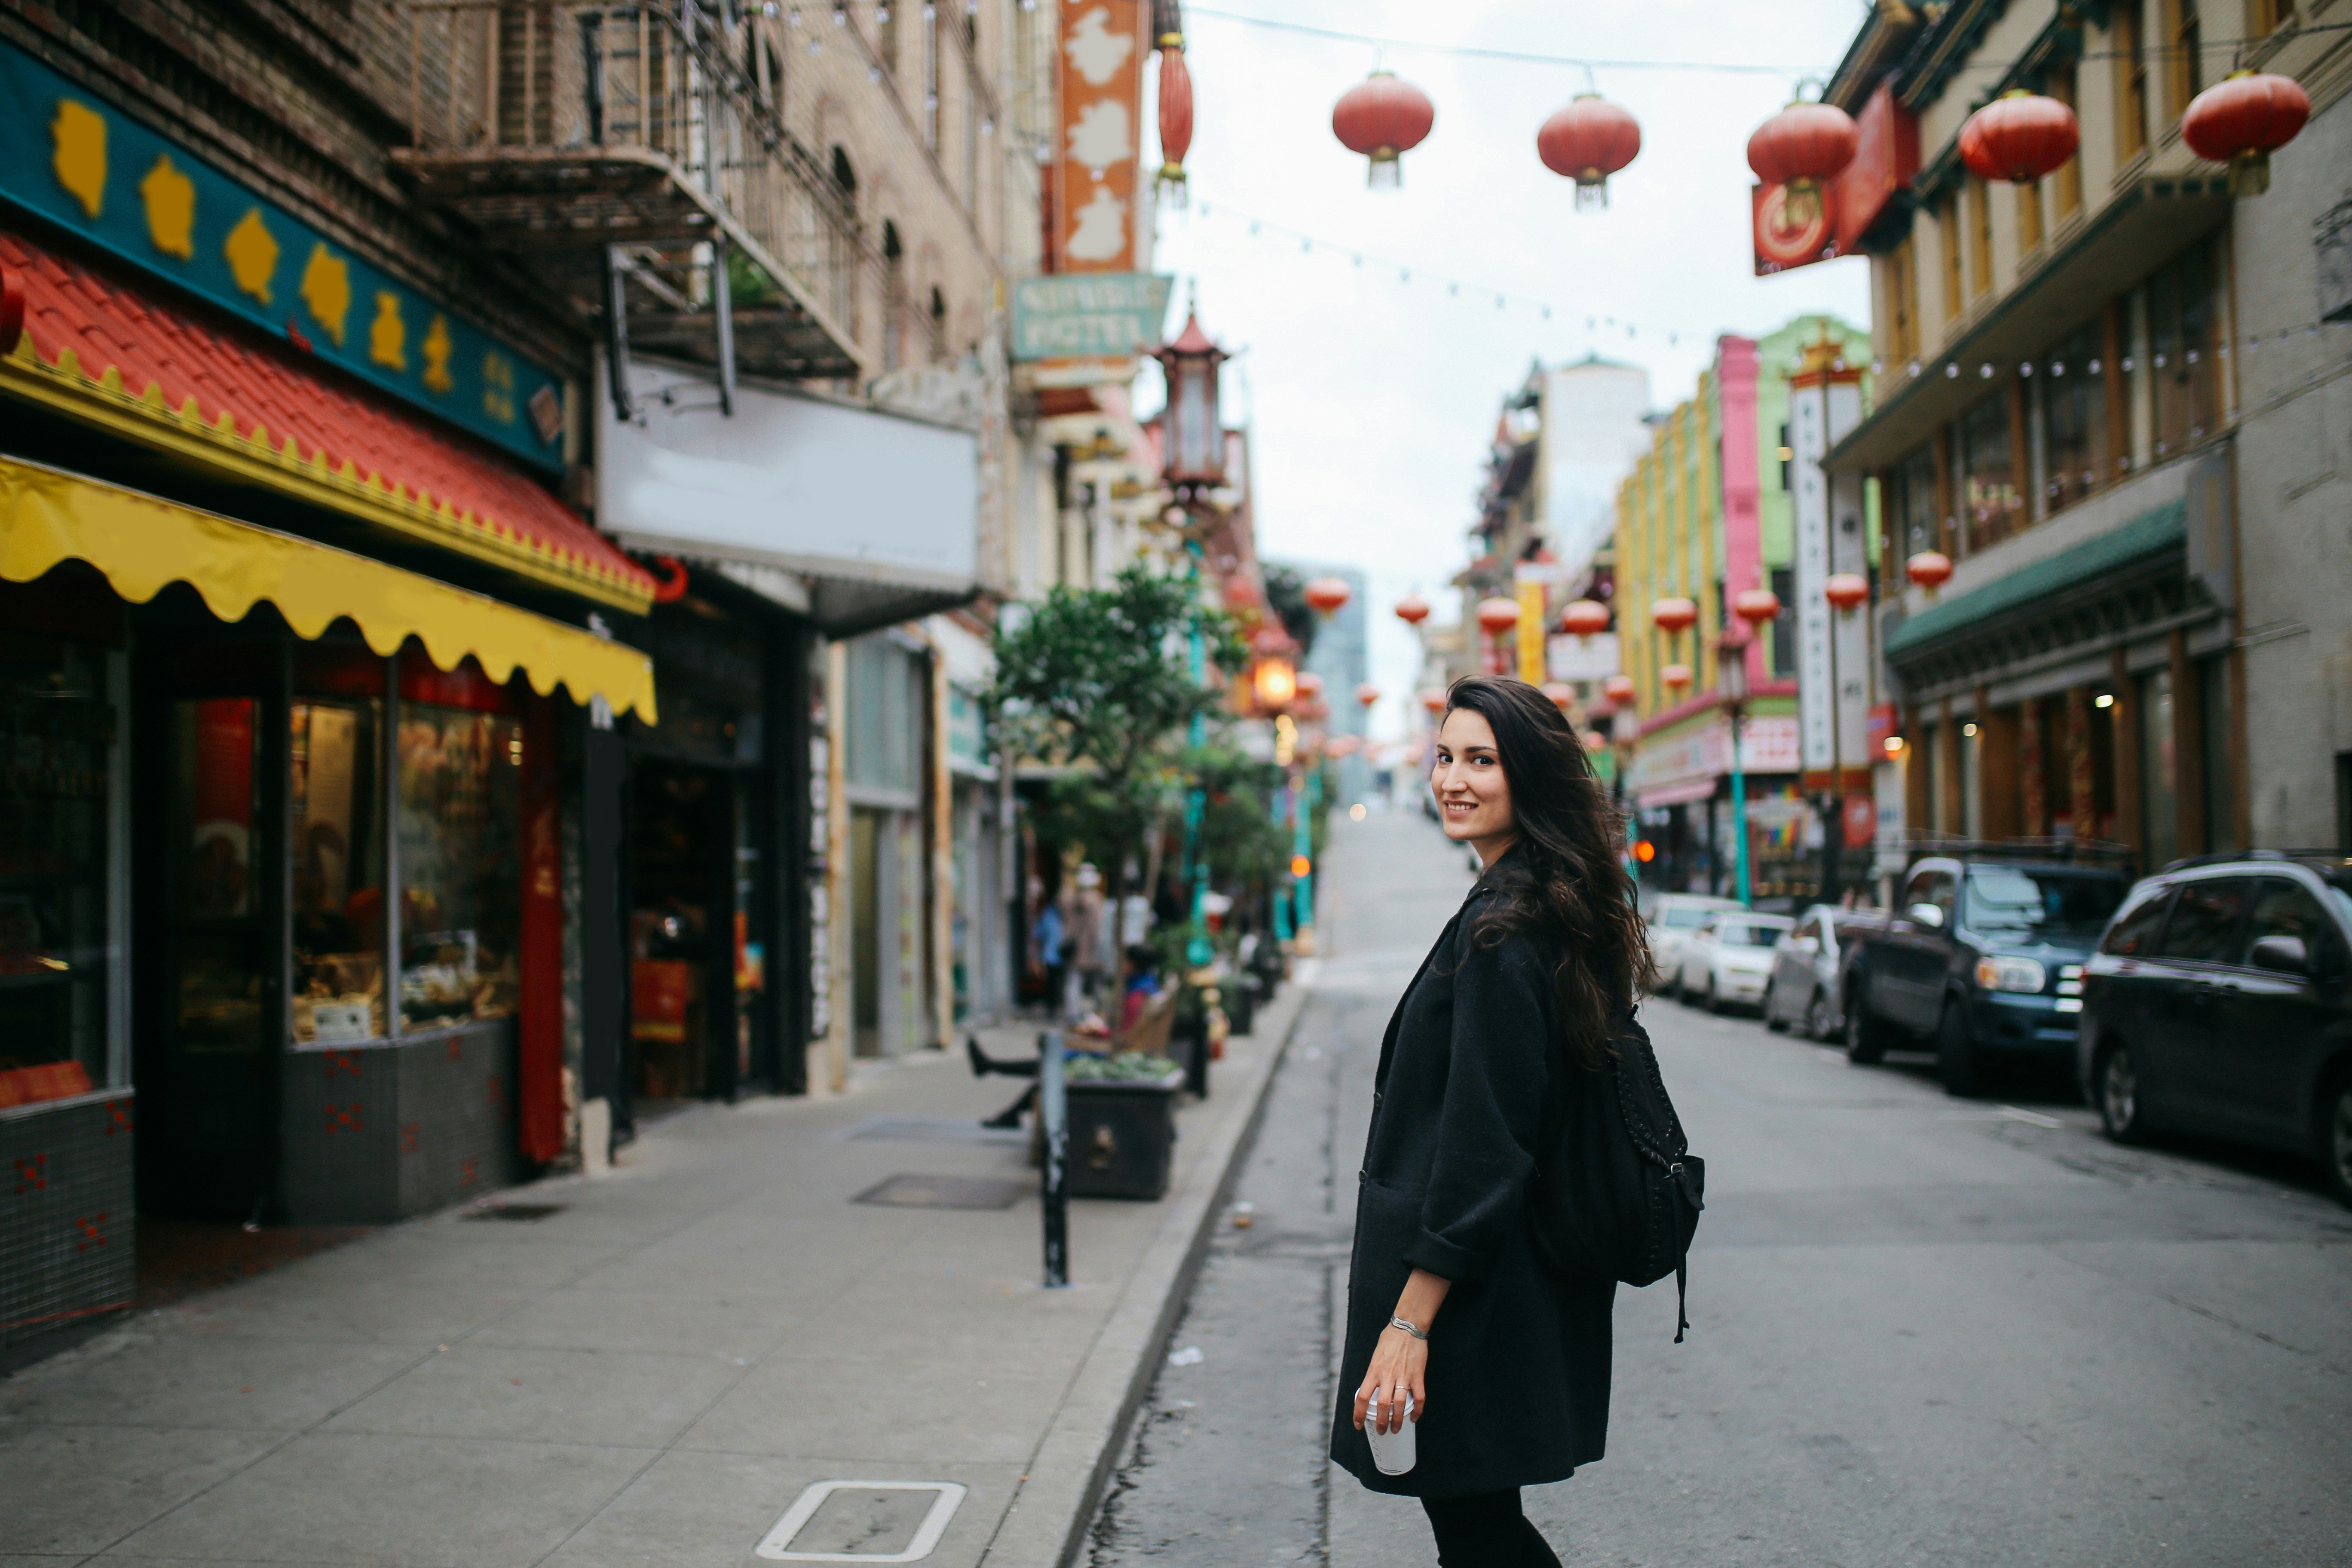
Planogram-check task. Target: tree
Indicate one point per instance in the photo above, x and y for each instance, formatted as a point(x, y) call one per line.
point(1286, 596)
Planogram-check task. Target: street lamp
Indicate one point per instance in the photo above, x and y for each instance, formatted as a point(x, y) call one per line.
point(1754, 608)
point(1192, 432)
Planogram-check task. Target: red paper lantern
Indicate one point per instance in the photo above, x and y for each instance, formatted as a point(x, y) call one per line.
point(1560, 692)
point(1175, 116)
point(1931, 568)
point(1756, 607)
point(1497, 615)
point(2241, 121)
point(1676, 677)
point(1434, 699)
point(1367, 694)
point(1413, 609)
point(1383, 119)
point(1618, 688)
point(1310, 685)
point(1845, 590)
point(2018, 137)
point(1594, 741)
point(1674, 617)
point(1800, 147)
point(1584, 618)
point(1589, 141)
point(1328, 596)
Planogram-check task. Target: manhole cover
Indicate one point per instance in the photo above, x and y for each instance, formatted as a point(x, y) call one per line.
point(514, 1211)
point(945, 1193)
point(863, 1521)
point(934, 1130)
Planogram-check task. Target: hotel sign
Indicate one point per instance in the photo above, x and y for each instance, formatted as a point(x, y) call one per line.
point(1088, 315)
point(74, 160)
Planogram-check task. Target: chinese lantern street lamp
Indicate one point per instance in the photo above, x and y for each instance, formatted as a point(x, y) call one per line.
point(1802, 148)
point(1383, 119)
point(1930, 569)
point(1496, 618)
point(2018, 137)
point(1584, 619)
point(2241, 121)
point(1175, 116)
point(1275, 683)
point(1367, 694)
point(1328, 596)
point(1413, 609)
point(1620, 689)
point(1560, 692)
point(1193, 434)
point(1587, 141)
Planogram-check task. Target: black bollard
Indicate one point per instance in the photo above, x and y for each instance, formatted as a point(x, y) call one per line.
point(1053, 1122)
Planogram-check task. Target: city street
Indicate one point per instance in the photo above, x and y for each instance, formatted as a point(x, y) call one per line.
point(1924, 1331)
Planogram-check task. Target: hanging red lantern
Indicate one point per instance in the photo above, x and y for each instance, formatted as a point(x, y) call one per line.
point(1676, 678)
point(2018, 137)
point(1845, 590)
point(1328, 596)
point(1674, 617)
point(1756, 607)
point(1497, 615)
point(1383, 119)
point(1310, 685)
point(1584, 618)
point(1434, 699)
point(1800, 148)
point(1413, 609)
point(1367, 694)
point(2241, 121)
point(1175, 117)
point(1618, 688)
point(1589, 141)
point(1560, 692)
point(1931, 568)
point(1594, 741)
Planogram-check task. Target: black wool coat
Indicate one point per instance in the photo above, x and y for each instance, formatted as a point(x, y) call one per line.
point(1472, 1075)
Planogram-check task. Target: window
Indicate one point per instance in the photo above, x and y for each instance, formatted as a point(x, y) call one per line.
point(2029, 215)
point(1902, 302)
point(1992, 505)
point(1947, 240)
point(335, 824)
point(1979, 239)
point(2134, 936)
point(459, 839)
point(2204, 924)
point(2185, 59)
point(2213, 723)
point(1784, 624)
point(2067, 182)
point(2038, 905)
point(939, 326)
point(2184, 315)
point(931, 83)
point(1936, 888)
point(886, 31)
point(2159, 773)
point(2131, 80)
point(1910, 493)
point(2287, 908)
point(894, 298)
point(2073, 418)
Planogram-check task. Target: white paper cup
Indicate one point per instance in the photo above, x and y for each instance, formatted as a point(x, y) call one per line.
point(1393, 1452)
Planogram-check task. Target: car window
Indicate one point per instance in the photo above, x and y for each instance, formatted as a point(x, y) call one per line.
point(1812, 930)
point(2135, 935)
point(2204, 923)
point(1682, 917)
point(2041, 904)
point(2286, 909)
point(1750, 933)
point(1922, 890)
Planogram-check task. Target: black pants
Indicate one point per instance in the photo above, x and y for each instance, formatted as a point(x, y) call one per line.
point(1485, 1531)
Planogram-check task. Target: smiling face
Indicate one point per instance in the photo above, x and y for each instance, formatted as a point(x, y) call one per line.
point(1474, 798)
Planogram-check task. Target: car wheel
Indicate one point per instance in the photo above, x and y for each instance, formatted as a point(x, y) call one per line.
point(1714, 1000)
point(1865, 1036)
point(2117, 1083)
point(2338, 1141)
point(1772, 1020)
point(1955, 1055)
point(1822, 1023)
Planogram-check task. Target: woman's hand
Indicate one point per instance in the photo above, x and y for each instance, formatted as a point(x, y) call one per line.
point(1401, 1362)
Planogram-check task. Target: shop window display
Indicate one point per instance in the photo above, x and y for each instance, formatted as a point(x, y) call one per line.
point(460, 875)
point(217, 939)
point(334, 752)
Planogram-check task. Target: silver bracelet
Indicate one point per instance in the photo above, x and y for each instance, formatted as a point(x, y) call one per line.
point(1397, 1322)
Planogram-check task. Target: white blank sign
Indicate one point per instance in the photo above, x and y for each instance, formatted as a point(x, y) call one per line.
point(776, 1545)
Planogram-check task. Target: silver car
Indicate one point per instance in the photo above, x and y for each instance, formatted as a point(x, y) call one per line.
point(1727, 961)
point(1672, 916)
point(1803, 993)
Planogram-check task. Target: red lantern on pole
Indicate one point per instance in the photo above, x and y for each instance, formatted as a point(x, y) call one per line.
point(1434, 699)
point(1413, 609)
point(1175, 116)
point(1589, 141)
point(1328, 596)
point(2018, 137)
point(1497, 615)
point(1584, 618)
point(1560, 692)
point(2241, 121)
point(1674, 617)
point(1383, 119)
point(1931, 568)
point(1845, 591)
point(1618, 688)
point(1758, 607)
point(1367, 694)
point(1676, 678)
point(1800, 147)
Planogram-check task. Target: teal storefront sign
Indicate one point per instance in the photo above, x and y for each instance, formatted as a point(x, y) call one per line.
point(1088, 315)
point(75, 160)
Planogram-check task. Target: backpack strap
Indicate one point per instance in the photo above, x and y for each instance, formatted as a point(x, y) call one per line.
point(1682, 1296)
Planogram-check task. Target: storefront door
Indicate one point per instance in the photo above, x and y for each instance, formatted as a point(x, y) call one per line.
point(685, 1040)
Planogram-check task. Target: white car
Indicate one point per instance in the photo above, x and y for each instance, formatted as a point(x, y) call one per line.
point(1672, 920)
point(1728, 959)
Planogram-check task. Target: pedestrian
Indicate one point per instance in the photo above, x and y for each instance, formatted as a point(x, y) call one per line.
point(1505, 1026)
point(1089, 928)
point(1047, 934)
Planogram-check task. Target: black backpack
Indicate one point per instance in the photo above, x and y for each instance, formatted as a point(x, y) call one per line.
point(1618, 1196)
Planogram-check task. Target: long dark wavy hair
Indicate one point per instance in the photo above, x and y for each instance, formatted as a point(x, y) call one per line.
point(1563, 884)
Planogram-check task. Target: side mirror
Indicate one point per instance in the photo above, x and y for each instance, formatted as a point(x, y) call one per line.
point(1928, 915)
point(2286, 953)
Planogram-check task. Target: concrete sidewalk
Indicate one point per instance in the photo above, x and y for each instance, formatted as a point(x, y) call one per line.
point(655, 1371)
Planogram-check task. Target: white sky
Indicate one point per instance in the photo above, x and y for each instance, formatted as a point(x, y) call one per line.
point(1374, 399)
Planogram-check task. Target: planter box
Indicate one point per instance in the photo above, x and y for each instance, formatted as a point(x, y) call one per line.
point(1122, 1137)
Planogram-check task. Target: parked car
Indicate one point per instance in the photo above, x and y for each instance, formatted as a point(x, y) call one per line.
point(1981, 959)
point(1672, 916)
point(2220, 1002)
point(1803, 993)
point(1727, 960)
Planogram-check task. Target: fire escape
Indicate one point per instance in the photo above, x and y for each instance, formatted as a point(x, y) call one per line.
point(636, 158)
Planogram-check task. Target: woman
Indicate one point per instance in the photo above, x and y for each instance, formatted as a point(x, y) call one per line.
point(1507, 1021)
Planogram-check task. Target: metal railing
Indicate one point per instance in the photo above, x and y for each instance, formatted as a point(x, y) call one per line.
point(534, 79)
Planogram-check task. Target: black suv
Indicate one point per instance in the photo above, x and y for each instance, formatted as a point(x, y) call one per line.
point(1982, 956)
point(2220, 1002)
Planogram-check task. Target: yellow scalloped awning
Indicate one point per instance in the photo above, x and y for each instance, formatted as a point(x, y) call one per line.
point(143, 544)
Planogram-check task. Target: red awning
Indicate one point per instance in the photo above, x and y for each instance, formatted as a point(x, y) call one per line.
point(162, 372)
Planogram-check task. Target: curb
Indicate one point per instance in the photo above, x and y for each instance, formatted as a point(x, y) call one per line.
point(1052, 1508)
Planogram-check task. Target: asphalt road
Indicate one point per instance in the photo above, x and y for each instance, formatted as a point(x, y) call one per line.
point(1925, 1330)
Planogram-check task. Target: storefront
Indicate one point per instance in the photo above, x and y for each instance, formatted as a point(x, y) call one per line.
point(1680, 783)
